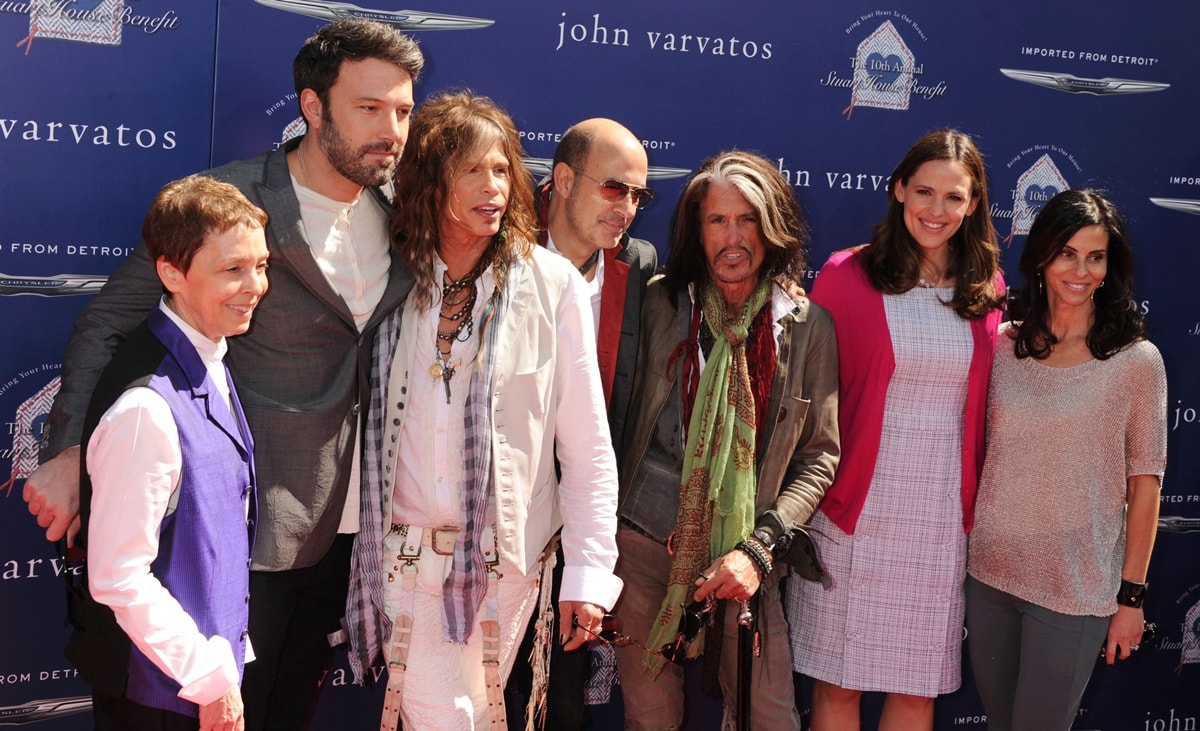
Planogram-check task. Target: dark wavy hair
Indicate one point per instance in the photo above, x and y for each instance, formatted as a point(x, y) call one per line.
point(1117, 321)
point(448, 132)
point(319, 60)
point(781, 221)
point(893, 260)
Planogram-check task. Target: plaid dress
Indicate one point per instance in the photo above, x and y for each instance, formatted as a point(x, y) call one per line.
point(893, 619)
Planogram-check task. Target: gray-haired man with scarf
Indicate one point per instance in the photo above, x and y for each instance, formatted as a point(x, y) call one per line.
point(732, 439)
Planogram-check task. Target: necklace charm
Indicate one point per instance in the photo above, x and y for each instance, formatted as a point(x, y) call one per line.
point(441, 369)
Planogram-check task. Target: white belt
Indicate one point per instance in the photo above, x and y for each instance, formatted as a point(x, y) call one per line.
point(404, 568)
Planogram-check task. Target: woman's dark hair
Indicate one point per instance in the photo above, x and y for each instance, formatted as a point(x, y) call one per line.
point(893, 260)
point(1117, 322)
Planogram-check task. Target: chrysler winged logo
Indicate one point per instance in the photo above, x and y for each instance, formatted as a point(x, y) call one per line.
point(1178, 204)
point(1081, 85)
point(1178, 524)
point(541, 166)
point(41, 710)
point(402, 19)
point(51, 286)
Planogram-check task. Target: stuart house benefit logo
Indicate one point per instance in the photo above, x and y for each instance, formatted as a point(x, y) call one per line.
point(884, 70)
point(27, 425)
point(1039, 182)
point(97, 22)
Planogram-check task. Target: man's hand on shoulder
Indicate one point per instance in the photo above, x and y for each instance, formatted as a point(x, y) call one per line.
point(52, 492)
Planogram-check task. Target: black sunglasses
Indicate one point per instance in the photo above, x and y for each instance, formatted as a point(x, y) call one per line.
point(614, 190)
point(695, 616)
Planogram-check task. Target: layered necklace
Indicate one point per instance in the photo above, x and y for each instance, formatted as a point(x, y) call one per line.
point(457, 309)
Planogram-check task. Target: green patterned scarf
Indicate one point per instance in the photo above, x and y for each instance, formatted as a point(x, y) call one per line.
point(716, 498)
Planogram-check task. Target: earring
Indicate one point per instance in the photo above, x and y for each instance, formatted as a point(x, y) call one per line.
point(1041, 283)
point(1102, 281)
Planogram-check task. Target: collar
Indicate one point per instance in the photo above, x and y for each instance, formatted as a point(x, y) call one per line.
point(210, 352)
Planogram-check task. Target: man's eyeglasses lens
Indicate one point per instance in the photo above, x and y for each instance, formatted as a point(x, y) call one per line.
point(615, 190)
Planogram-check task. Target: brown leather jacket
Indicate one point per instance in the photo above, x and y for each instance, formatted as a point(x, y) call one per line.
point(802, 444)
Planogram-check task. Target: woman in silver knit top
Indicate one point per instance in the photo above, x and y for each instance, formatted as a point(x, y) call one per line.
point(1076, 447)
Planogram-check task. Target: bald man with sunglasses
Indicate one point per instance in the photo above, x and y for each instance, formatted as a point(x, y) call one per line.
point(596, 188)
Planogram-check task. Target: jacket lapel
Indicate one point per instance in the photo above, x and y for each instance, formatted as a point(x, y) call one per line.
point(197, 376)
point(612, 317)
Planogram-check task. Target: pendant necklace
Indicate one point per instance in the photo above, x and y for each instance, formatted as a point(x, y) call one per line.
point(457, 306)
point(443, 370)
point(931, 282)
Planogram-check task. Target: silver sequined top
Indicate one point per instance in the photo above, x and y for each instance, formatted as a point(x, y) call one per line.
point(1050, 517)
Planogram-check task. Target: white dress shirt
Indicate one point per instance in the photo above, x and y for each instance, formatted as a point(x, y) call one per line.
point(594, 287)
point(134, 461)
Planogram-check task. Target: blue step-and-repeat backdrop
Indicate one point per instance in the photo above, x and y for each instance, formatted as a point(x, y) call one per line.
point(103, 101)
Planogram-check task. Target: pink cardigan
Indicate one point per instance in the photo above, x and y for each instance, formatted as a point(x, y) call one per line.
point(866, 364)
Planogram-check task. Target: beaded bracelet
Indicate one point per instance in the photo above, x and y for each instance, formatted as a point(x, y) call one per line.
point(758, 553)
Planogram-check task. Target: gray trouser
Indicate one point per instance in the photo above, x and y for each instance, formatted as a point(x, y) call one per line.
point(658, 703)
point(1031, 664)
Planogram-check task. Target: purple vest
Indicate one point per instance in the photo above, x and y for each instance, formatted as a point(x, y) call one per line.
point(204, 545)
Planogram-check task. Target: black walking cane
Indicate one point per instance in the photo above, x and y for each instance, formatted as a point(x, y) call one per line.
point(746, 651)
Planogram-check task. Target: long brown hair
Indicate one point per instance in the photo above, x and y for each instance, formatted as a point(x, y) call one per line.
point(448, 131)
point(781, 221)
point(893, 260)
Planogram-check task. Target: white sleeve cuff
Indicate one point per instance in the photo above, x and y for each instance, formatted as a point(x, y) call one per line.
point(590, 584)
point(215, 683)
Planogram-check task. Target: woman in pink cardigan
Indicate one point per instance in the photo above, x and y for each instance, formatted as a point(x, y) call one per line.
point(916, 312)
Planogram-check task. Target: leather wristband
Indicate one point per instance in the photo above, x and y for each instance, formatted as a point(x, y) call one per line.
point(758, 553)
point(1131, 594)
point(764, 538)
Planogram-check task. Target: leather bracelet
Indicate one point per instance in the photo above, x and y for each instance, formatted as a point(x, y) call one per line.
point(758, 553)
point(1131, 594)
